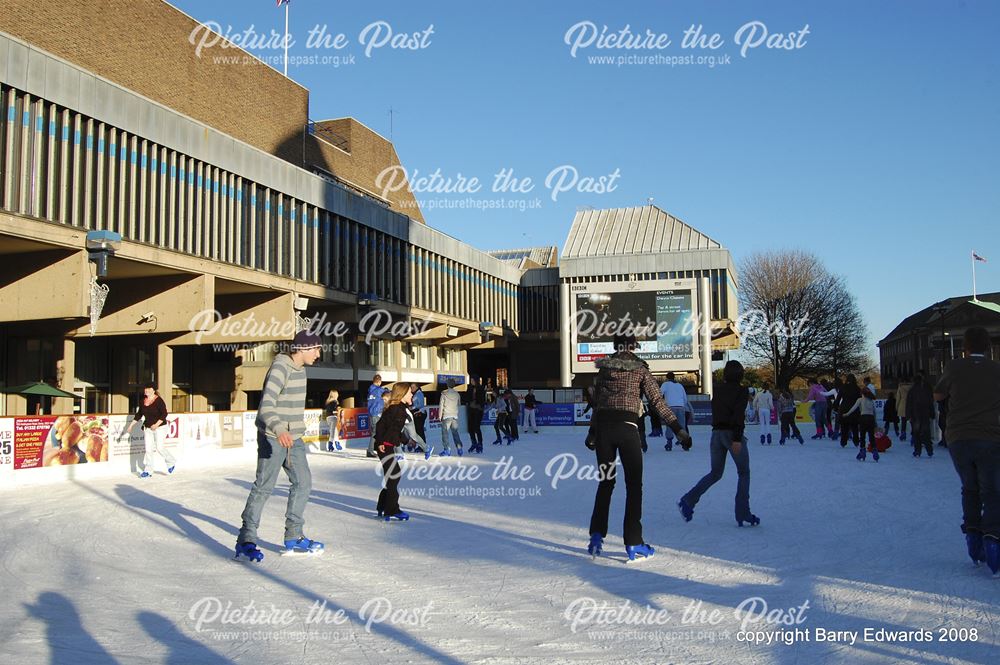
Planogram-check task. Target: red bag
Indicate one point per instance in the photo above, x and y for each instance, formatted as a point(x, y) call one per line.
point(882, 443)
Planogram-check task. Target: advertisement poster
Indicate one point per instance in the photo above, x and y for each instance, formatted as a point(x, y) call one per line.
point(355, 423)
point(548, 415)
point(313, 433)
point(6, 445)
point(60, 441)
point(196, 430)
point(579, 417)
point(123, 447)
point(249, 429)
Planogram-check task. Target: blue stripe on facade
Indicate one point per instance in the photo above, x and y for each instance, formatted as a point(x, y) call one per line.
point(123, 154)
point(11, 114)
point(25, 118)
point(90, 142)
point(100, 145)
point(65, 133)
point(39, 124)
point(76, 137)
point(144, 163)
point(52, 127)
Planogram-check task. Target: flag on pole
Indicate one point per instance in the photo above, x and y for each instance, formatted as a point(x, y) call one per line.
point(284, 2)
point(976, 257)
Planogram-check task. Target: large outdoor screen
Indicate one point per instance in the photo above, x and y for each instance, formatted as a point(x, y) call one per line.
point(659, 312)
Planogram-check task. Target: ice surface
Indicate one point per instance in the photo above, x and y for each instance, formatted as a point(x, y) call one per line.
point(133, 571)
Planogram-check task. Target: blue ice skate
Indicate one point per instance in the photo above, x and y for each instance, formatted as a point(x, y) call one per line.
point(596, 545)
point(249, 552)
point(750, 519)
point(302, 545)
point(977, 550)
point(643, 551)
point(427, 453)
point(444, 453)
point(991, 548)
point(399, 517)
point(458, 449)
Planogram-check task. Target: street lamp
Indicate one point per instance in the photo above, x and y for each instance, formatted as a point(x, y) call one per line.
point(940, 309)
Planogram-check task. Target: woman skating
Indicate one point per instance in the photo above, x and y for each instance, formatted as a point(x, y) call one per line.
point(622, 380)
point(729, 404)
point(389, 435)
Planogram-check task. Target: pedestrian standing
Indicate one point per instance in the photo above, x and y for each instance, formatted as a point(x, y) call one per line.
point(972, 387)
point(920, 412)
point(332, 413)
point(450, 401)
point(530, 406)
point(376, 405)
point(474, 414)
point(763, 404)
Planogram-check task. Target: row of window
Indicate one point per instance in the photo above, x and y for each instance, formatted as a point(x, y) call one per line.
point(64, 167)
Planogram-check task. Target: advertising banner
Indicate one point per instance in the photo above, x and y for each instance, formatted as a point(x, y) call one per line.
point(6, 445)
point(59, 441)
point(355, 423)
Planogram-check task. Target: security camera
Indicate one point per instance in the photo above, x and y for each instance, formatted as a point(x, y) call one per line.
point(148, 315)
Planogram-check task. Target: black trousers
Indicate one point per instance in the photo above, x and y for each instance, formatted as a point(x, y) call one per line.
point(867, 428)
point(920, 436)
point(788, 424)
point(500, 426)
point(419, 420)
point(388, 498)
point(475, 416)
point(512, 425)
point(849, 428)
point(619, 439)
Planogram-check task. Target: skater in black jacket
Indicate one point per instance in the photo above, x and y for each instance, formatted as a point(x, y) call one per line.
point(389, 436)
point(729, 405)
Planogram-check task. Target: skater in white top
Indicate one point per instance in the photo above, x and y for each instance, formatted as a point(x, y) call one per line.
point(763, 402)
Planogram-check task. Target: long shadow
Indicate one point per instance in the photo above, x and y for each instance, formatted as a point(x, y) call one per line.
point(68, 639)
point(503, 547)
point(183, 650)
point(178, 512)
point(179, 515)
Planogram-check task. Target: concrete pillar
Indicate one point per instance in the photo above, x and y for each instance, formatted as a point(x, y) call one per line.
point(705, 334)
point(165, 373)
point(565, 338)
point(66, 377)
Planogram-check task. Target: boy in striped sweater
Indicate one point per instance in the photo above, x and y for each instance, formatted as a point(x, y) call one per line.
point(279, 446)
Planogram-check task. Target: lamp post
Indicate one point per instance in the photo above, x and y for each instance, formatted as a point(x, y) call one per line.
point(940, 310)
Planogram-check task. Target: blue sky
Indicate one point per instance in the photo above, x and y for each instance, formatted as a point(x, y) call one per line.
point(876, 144)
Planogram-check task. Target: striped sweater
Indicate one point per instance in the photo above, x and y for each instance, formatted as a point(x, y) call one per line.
point(283, 399)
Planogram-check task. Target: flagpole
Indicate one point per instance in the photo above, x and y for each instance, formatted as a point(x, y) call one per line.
point(974, 276)
point(286, 38)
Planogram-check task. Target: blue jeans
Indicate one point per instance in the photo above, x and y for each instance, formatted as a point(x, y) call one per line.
point(681, 418)
point(978, 465)
point(452, 425)
point(372, 421)
point(819, 414)
point(722, 442)
point(271, 458)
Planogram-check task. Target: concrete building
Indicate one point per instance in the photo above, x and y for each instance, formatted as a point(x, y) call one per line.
point(241, 218)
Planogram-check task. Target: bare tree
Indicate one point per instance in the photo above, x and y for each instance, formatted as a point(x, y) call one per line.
point(798, 317)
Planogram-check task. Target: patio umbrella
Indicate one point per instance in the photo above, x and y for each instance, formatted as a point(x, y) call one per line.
point(39, 389)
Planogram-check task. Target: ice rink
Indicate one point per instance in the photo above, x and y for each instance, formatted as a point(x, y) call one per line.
point(493, 569)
